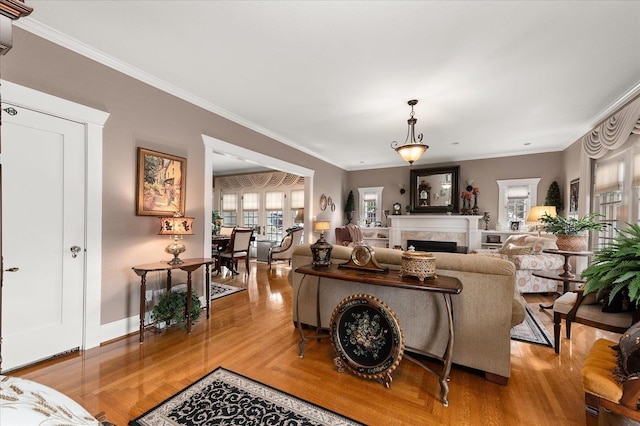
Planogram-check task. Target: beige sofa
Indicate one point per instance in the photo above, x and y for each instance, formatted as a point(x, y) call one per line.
point(483, 313)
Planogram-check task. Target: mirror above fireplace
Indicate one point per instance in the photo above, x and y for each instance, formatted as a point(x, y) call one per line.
point(433, 189)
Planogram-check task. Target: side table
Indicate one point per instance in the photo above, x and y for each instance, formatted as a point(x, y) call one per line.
point(188, 265)
point(566, 276)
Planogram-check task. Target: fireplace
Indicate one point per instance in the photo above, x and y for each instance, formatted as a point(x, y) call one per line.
point(464, 230)
point(436, 246)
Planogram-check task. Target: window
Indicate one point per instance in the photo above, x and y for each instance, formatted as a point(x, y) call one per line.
point(297, 206)
point(370, 202)
point(273, 210)
point(250, 210)
point(516, 196)
point(229, 209)
point(607, 191)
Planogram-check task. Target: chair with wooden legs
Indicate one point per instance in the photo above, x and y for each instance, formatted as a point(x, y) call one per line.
point(602, 390)
point(574, 306)
point(237, 249)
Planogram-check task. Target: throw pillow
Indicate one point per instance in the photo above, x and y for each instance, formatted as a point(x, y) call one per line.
point(512, 250)
point(628, 352)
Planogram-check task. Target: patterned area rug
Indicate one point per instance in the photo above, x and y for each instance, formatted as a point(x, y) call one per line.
point(221, 290)
point(227, 398)
point(531, 331)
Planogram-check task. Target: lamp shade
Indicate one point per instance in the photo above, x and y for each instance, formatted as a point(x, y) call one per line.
point(536, 213)
point(411, 152)
point(172, 225)
point(321, 226)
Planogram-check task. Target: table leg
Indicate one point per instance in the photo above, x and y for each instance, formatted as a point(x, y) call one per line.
point(567, 268)
point(207, 280)
point(143, 296)
point(448, 354)
point(188, 302)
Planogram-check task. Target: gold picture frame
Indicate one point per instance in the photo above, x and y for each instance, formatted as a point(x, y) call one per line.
point(161, 183)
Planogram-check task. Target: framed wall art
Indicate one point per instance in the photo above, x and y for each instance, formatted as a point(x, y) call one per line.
point(574, 188)
point(161, 183)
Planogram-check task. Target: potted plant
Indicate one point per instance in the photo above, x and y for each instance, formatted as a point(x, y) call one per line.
point(449, 208)
point(173, 306)
point(408, 208)
point(572, 232)
point(216, 220)
point(350, 207)
point(616, 268)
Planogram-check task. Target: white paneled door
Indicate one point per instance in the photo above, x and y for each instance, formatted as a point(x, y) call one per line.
point(43, 235)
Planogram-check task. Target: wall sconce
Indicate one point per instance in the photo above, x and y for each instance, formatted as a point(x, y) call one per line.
point(176, 226)
point(402, 191)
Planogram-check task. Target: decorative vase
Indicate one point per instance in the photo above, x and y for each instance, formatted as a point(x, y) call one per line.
point(350, 216)
point(572, 242)
point(475, 208)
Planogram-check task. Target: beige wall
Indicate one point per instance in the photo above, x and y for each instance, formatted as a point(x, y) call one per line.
point(484, 174)
point(141, 115)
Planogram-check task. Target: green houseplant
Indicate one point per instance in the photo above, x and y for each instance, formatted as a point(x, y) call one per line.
point(616, 268)
point(571, 231)
point(350, 207)
point(173, 306)
point(553, 197)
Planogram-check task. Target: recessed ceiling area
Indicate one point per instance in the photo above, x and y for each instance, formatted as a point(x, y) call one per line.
point(493, 78)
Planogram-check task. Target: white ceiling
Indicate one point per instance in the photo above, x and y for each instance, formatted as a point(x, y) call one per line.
point(332, 78)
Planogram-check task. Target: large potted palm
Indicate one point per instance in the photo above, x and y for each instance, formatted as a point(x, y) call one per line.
point(615, 269)
point(572, 232)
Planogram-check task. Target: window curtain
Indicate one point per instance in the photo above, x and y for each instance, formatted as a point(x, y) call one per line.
point(297, 199)
point(250, 201)
point(273, 200)
point(608, 177)
point(229, 202)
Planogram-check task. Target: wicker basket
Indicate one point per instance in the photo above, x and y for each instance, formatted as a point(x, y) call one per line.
point(418, 264)
point(572, 242)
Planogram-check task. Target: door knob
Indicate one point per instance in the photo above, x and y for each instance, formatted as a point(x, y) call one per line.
point(14, 269)
point(74, 251)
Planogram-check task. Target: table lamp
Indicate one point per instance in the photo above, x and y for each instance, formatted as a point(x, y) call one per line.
point(321, 249)
point(536, 213)
point(176, 226)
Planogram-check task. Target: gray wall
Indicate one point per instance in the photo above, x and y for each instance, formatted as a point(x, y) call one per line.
point(141, 115)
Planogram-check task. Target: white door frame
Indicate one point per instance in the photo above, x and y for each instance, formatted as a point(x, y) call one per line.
point(93, 120)
point(212, 144)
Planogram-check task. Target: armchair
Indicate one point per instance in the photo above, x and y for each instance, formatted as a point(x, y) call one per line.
point(285, 249)
point(525, 251)
point(349, 235)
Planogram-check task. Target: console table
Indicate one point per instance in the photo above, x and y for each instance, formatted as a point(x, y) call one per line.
point(566, 276)
point(446, 286)
point(188, 265)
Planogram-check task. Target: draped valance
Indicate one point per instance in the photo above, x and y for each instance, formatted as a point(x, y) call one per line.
point(259, 180)
point(613, 132)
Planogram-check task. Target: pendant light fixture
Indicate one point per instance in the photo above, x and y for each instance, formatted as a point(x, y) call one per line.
point(411, 150)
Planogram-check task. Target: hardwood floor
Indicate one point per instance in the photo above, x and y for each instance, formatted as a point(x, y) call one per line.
point(251, 333)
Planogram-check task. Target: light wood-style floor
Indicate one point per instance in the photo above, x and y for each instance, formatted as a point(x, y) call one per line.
point(251, 332)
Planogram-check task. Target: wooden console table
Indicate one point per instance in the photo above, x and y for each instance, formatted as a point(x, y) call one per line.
point(188, 265)
point(446, 286)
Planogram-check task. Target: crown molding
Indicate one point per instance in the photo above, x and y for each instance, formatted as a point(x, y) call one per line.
point(61, 39)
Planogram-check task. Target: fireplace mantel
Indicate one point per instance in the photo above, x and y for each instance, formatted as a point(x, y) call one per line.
point(436, 227)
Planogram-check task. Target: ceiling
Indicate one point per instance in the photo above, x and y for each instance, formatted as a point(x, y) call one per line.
point(332, 78)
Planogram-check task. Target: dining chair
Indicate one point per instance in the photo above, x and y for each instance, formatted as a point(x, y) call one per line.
point(237, 249)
